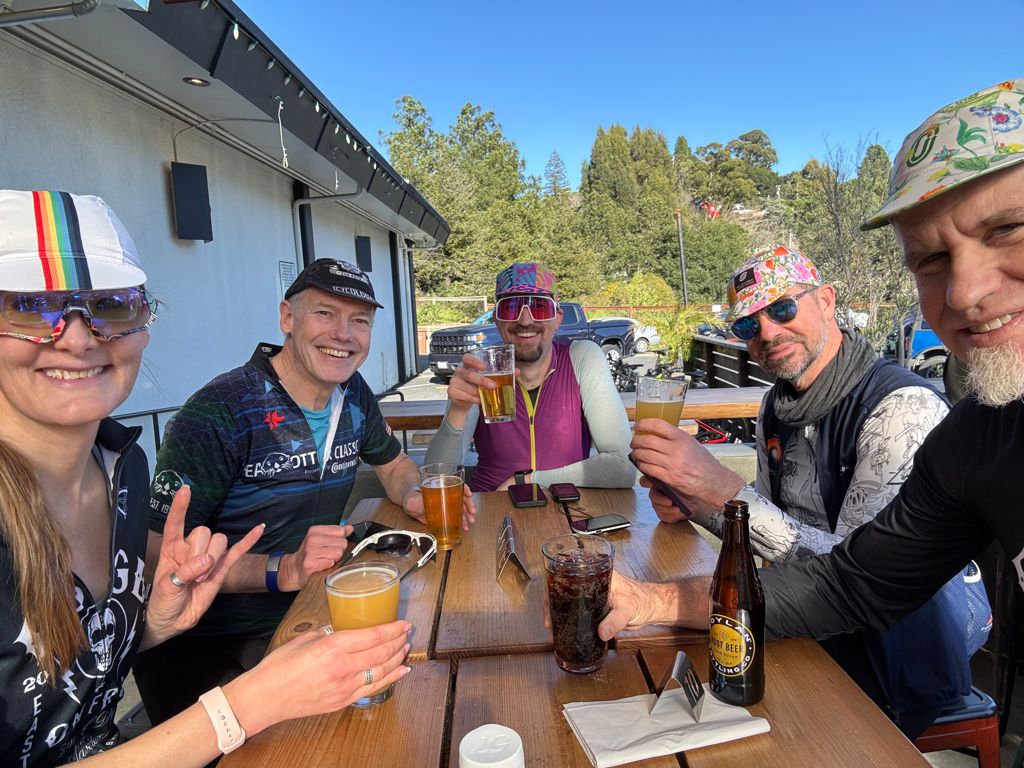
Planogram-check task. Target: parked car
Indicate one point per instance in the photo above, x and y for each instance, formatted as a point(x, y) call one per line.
point(926, 354)
point(448, 345)
point(643, 335)
point(717, 327)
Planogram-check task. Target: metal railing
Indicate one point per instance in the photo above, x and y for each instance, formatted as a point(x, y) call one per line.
point(152, 428)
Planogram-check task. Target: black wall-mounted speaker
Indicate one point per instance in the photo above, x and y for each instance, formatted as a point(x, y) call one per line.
point(363, 259)
point(191, 195)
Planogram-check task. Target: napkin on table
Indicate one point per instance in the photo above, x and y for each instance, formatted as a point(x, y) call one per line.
point(623, 731)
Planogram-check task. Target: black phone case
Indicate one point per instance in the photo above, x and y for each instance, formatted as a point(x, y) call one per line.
point(555, 489)
point(540, 501)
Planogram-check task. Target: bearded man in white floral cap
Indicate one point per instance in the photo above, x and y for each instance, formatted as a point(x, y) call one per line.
point(956, 202)
point(835, 438)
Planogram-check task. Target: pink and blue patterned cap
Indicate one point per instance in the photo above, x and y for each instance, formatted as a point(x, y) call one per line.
point(765, 277)
point(526, 277)
point(969, 138)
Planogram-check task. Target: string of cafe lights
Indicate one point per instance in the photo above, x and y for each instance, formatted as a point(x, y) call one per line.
point(237, 34)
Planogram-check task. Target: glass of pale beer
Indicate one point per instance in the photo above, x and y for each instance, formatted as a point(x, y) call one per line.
point(498, 405)
point(441, 486)
point(660, 398)
point(364, 595)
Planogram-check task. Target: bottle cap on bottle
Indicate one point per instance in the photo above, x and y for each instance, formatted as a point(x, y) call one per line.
point(491, 746)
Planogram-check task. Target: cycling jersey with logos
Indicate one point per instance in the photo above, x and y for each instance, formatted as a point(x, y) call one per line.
point(246, 450)
point(963, 492)
point(48, 722)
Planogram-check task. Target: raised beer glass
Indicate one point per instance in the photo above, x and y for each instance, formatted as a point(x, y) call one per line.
point(362, 595)
point(660, 399)
point(498, 405)
point(441, 486)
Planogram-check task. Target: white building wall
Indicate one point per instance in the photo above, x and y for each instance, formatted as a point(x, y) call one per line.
point(61, 129)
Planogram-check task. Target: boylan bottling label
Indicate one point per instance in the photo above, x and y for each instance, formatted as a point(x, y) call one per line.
point(732, 645)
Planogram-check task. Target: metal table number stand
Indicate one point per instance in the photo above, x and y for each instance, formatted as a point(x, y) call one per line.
point(508, 549)
point(683, 678)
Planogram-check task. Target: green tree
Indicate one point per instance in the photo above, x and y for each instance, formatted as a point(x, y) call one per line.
point(473, 175)
point(555, 180)
point(827, 202)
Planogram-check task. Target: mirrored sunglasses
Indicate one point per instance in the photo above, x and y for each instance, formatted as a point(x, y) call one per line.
point(41, 316)
point(542, 308)
point(780, 312)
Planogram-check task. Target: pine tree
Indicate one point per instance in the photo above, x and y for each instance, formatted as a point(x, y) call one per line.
point(555, 180)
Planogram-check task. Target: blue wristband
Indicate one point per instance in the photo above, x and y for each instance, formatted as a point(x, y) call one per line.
point(273, 562)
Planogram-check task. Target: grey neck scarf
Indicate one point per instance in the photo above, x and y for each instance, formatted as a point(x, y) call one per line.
point(852, 361)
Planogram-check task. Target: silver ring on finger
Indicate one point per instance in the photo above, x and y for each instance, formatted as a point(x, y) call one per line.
point(368, 676)
point(327, 629)
point(177, 582)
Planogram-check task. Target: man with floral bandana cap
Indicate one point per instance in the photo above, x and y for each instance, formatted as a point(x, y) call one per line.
point(956, 202)
point(550, 439)
point(834, 438)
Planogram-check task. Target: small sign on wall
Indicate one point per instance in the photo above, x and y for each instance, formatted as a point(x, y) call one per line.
point(286, 273)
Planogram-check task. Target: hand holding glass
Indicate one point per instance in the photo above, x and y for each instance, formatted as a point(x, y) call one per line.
point(579, 574)
point(364, 595)
point(498, 405)
point(660, 398)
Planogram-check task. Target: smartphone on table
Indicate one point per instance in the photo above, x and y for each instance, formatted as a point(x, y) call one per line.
point(564, 493)
point(600, 524)
point(527, 495)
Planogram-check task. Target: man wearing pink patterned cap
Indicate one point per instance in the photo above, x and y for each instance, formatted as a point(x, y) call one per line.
point(835, 439)
point(956, 203)
point(570, 424)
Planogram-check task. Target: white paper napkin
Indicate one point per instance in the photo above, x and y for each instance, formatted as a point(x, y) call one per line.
point(618, 732)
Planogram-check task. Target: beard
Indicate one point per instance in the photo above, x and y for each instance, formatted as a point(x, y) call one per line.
point(536, 354)
point(995, 375)
point(792, 367)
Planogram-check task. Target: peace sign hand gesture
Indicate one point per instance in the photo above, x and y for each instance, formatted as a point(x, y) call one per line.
point(189, 572)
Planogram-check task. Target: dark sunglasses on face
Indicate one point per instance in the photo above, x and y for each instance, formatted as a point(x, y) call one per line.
point(41, 316)
point(780, 312)
point(509, 308)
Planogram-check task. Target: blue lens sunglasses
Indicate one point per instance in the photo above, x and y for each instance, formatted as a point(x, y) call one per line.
point(780, 312)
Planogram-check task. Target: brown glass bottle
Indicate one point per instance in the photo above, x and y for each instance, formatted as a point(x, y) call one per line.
point(736, 636)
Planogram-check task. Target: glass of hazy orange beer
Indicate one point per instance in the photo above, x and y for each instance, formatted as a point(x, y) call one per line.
point(660, 399)
point(498, 405)
point(441, 486)
point(362, 595)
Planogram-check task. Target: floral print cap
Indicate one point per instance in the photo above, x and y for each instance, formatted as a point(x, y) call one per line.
point(525, 277)
point(962, 141)
point(765, 277)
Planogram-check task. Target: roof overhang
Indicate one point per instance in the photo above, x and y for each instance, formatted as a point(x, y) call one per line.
point(255, 96)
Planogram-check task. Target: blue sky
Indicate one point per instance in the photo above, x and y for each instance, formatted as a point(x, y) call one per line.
point(809, 74)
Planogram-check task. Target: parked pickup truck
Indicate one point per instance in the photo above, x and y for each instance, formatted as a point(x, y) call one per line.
point(448, 345)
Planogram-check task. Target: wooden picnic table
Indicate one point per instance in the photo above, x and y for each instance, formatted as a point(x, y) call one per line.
point(709, 403)
point(818, 715)
point(481, 616)
point(481, 654)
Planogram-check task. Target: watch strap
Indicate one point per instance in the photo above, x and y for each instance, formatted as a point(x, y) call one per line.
point(520, 476)
point(230, 735)
point(273, 563)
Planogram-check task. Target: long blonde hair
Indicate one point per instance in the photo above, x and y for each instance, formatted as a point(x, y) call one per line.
point(42, 566)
